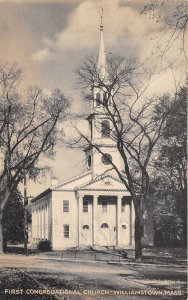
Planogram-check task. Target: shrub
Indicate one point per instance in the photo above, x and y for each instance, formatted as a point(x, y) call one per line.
point(44, 245)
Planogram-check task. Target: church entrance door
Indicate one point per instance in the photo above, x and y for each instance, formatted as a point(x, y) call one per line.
point(107, 221)
point(86, 236)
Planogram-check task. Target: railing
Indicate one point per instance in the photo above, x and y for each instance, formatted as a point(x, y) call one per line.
point(93, 256)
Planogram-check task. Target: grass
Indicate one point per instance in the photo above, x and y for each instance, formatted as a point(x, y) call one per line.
point(11, 279)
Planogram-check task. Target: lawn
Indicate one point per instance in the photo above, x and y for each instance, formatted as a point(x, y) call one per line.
point(11, 279)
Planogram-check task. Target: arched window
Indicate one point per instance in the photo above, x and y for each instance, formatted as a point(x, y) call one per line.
point(104, 225)
point(124, 226)
point(105, 129)
point(98, 99)
point(86, 227)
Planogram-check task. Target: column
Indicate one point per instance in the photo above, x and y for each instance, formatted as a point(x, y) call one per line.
point(118, 221)
point(133, 223)
point(40, 226)
point(41, 217)
point(33, 224)
point(44, 222)
point(130, 224)
point(47, 235)
point(94, 219)
point(37, 227)
point(80, 210)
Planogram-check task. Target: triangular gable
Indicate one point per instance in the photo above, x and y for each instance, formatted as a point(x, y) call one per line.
point(106, 183)
point(73, 182)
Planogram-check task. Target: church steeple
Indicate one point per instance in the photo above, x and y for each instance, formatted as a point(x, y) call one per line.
point(100, 123)
point(101, 64)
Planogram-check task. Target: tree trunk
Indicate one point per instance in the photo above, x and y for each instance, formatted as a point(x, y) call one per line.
point(138, 230)
point(138, 239)
point(4, 196)
point(184, 215)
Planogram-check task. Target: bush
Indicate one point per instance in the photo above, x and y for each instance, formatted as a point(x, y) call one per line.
point(44, 246)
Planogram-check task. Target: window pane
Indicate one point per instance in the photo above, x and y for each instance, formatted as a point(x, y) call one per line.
point(104, 225)
point(65, 206)
point(98, 99)
point(105, 129)
point(86, 227)
point(66, 231)
point(104, 206)
point(123, 203)
point(85, 206)
point(123, 208)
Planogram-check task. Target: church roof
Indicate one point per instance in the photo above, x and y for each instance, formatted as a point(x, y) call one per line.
point(71, 183)
point(85, 182)
point(44, 193)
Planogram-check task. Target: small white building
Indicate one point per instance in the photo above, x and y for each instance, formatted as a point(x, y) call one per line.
point(93, 209)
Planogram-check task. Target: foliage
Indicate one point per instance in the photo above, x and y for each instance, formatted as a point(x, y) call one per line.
point(170, 184)
point(13, 219)
point(44, 245)
point(28, 129)
point(168, 224)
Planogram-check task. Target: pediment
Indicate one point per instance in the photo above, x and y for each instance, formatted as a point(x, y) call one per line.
point(106, 183)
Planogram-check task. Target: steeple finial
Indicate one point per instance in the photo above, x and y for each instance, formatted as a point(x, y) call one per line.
point(102, 12)
point(102, 55)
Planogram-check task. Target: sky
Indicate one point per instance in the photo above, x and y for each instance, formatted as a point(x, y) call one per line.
point(50, 39)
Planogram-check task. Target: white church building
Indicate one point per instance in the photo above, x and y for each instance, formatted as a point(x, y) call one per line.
point(94, 208)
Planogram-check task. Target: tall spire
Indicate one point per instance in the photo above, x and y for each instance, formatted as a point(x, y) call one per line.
point(102, 55)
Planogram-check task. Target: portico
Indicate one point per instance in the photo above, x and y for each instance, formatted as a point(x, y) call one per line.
point(105, 218)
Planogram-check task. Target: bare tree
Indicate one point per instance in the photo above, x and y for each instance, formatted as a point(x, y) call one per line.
point(137, 122)
point(173, 18)
point(28, 130)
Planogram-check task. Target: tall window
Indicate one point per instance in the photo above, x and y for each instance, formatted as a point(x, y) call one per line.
point(123, 205)
point(105, 129)
point(105, 98)
point(65, 205)
point(66, 231)
point(85, 206)
point(98, 99)
point(104, 206)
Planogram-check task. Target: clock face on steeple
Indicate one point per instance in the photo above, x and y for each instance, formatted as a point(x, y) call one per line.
point(106, 159)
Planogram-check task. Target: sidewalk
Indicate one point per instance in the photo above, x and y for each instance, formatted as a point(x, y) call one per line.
point(150, 256)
